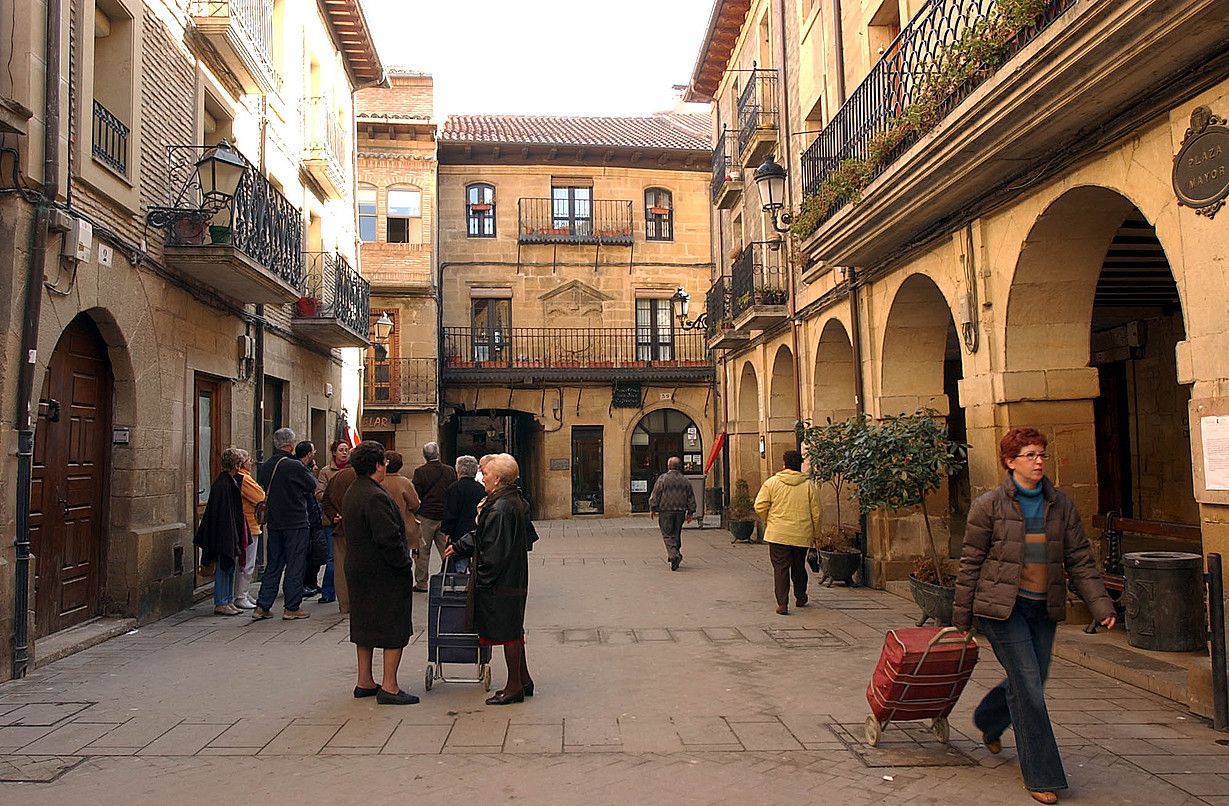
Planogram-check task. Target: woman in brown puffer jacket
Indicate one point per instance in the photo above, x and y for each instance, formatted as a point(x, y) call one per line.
point(1023, 539)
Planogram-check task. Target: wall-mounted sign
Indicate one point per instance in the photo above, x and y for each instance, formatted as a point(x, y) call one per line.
point(640, 485)
point(559, 464)
point(375, 422)
point(121, 435)
point(1201, 168)
point(625, 395)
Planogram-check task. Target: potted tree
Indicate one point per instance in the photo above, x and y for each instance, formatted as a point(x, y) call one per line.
point(895, 464)
point(828, 450)
point(741, 513)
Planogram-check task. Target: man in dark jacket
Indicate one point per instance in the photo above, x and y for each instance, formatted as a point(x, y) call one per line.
point(461, 504)
point(431, 482)
point(288, 486)
point(673, 502)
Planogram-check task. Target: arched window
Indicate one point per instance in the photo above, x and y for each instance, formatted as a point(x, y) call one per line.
point(403, 215)
point(480, 210)
point(658, 215)
point(367, 213)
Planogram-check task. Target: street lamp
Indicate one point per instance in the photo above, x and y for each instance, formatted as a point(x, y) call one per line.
point(381, 329)
point(683, 300)
point(770, 180)
point(220, 170)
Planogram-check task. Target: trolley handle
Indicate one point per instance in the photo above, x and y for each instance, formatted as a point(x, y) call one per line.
point(944, 636)
point(454, 580)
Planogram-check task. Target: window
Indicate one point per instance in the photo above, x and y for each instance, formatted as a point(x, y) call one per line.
point(274, 410)
point(491, 321)
point(572, 209)
point(654, 330)
point(403, 219)
point(480, 211)
point(112, 116)
point(382, 372)
point(658, 215)
point(367, 213)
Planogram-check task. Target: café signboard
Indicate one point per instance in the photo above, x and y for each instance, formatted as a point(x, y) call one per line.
point(1201, 168)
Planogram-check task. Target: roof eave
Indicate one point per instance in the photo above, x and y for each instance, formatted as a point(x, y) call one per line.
point(725, 22)
point(352, 35)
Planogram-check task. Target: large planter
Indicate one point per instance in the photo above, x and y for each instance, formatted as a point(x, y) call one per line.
point(936, 601)
point(839, 566)
point(742, 530)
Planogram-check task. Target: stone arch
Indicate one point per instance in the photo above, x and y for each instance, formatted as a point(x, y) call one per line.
point(1094, 314)
point(748, 398)
point(782, 395)
point(918, 338)
point(746, 437)
point(835, 393)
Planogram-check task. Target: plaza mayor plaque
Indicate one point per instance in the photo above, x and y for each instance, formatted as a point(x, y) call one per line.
point(1201, 168)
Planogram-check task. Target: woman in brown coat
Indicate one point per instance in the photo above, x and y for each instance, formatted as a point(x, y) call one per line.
point(405, 497)
point(1023, 539)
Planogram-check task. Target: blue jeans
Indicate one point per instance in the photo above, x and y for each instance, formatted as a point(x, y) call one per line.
point(223, 585)
point(287, 552)
point(327, 591)
point(1023, 644)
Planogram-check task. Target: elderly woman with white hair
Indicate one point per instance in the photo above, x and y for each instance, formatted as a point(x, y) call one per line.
point(500, 547)
point(462, 499)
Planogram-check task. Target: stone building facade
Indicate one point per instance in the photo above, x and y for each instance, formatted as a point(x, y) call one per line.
point(1008, 249)
point(173, 323)
point(397, 223)
point(562, 245)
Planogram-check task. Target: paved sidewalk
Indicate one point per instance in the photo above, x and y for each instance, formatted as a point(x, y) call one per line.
point(653, 687)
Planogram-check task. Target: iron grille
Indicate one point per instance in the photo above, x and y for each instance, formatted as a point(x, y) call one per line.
point(595, 348)
point(758, 277)
point(325, 136)
point(757, 106)
point(897, 80)
point(110, 139)
point(717, 305)
point(584, 221)
point(400, 382)
point(723, 164)
point(338, 290)
point(254, 19)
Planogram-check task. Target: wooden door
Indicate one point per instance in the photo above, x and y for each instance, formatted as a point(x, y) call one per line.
point(68, 495)
point(1113, 434)
point(588, 489)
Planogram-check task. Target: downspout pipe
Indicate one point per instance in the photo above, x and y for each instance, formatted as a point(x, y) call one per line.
point(28, 356)
point(838, 48)
point(258, 369)
point(783, 88)
point(859, 402)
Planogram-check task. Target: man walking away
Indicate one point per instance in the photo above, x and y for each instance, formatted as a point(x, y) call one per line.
point(673, 503)
point(790, 508)
point(288, 485)
point(431, 482)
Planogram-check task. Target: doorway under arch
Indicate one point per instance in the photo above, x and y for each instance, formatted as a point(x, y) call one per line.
point(747, 429)
point(835, 396)
point(659, 435)
point(783, 411)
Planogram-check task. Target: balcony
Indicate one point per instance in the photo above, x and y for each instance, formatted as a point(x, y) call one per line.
point(727, 182)
point(400, 383)
point(1075, 70)
point(757, 117)
point(759, 286)
point(240, 34)
point(336, 310)
point(580, 221)
point(249, 248)
point(721, 333)
point(563, 355)
point(324, 149)
point(110, 141)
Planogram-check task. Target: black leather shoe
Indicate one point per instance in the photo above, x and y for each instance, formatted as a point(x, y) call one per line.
point(528, 690)
point(674, 562)
point(365, 692)
point(400, 698)
point(500, 698)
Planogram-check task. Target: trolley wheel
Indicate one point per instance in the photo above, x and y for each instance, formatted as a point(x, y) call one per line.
point(873, 731)
point(485, 674)
point(942, 730)
point(428, 677)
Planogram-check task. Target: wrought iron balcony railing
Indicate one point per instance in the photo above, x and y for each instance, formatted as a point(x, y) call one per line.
point(586, 221)
point(901, 78)
point(758, 277)
point(400, 382)
point(253, 20)
point(595, 353)
point(258, 220)
point(110, 145)
point(757, 107)
point(718, 307)
point(325, 138)
point(723, 163)
point(335, 291)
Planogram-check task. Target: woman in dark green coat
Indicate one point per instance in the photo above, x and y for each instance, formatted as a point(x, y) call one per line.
point(379, 576)
point(500, 547)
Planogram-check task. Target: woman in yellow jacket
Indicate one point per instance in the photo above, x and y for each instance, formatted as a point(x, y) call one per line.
point(252, 494)
point(790, 508)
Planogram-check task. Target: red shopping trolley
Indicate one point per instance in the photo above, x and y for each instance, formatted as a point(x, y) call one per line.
point(920, 675)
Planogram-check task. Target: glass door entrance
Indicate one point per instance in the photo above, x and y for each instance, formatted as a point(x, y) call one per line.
point(587, 470)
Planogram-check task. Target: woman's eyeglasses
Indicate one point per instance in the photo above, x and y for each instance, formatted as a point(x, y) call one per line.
point(1033, 457)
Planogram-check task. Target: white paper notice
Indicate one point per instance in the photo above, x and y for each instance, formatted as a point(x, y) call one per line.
point(1215, 452)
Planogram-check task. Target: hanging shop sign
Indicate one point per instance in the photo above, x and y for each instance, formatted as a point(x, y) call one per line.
point(626, 395)
point(1201, 168)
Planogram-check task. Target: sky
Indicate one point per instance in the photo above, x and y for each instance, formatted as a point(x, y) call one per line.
point(544, 57)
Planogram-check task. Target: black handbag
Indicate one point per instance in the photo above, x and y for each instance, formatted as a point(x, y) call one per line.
point(813, 559)
point(317, 548)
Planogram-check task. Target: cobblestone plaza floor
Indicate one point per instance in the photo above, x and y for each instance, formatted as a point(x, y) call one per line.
point(652, 687)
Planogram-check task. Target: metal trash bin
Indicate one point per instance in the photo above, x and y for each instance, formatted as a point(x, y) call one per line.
point(1164, 599)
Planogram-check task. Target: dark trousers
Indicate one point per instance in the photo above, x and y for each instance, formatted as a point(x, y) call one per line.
point(671, 524)
point(788, 563)
point(1023, 644)
point(288, 553)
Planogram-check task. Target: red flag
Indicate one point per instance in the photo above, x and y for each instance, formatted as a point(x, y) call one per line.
point(712, 455)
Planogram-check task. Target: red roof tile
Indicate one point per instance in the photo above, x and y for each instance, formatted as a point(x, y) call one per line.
point(669, 130)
